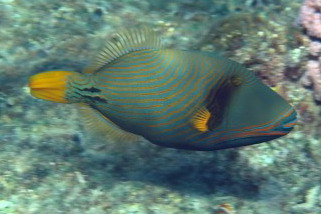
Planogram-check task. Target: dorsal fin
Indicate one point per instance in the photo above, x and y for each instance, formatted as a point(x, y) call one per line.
point(100, 124)
point(123, 43)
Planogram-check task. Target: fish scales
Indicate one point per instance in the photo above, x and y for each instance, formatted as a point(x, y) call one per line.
point(180, 99)
point(177, 87)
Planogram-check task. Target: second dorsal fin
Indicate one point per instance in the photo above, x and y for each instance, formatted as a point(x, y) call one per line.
point(124, 42)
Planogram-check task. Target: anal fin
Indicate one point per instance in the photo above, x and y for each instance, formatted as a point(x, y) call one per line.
point(100, 124)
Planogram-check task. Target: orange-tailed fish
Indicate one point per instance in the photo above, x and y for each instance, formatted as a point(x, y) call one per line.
point(173, 98)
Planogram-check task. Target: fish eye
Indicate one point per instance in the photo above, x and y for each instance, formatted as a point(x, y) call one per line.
point(236, 81)
point(115, 38)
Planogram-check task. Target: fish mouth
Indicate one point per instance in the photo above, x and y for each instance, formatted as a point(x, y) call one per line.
point(280, 127)
point(287, 122)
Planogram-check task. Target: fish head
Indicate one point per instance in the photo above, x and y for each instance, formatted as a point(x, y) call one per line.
point(257, 114)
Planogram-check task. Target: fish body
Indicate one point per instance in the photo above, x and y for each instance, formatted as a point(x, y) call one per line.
point(173, 98)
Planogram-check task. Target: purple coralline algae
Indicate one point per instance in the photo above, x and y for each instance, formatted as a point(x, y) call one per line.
point(310, 19)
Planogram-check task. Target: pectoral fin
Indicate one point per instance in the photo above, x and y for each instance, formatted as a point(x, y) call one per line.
point(200, 119)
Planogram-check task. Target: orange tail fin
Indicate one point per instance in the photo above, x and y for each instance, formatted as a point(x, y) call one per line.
point(50, 85)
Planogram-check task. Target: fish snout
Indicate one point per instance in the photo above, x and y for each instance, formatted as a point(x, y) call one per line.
point(288, 121)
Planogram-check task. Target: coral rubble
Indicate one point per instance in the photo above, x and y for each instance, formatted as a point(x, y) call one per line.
point(50, 165)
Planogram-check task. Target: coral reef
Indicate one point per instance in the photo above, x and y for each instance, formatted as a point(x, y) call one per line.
point(310, 18)
point(49, 164)
point(261, 43)
point(313, 77)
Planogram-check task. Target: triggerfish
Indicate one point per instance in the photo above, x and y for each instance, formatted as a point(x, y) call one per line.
point(180, 99)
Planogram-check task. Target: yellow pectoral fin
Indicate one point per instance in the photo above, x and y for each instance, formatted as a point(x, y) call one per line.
point(50, 85)
point(200, 119)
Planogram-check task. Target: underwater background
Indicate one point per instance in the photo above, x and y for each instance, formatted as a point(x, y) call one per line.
point(49, 163)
